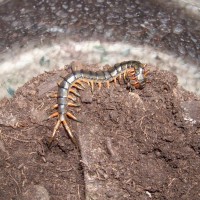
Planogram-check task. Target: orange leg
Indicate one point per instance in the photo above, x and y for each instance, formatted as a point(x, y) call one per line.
point(125, 76)
point(115, 81)
point(74, 92)
point(131, 74)
point(136, 85)
point(146, 72)
point(132, 78)
point(86, 81)
point(71, 98)
point(92, 85)
point(72, 117)
point(66, 128)
point(55, 129)
point(73, 104)
point(53, 115)
point(77, 86)
point(52, 95)
point(131, 71)
point(120, 77)
point(54, 106)
point(108, 84)
point(80, 83)
point(69, 132)
point(99, 84)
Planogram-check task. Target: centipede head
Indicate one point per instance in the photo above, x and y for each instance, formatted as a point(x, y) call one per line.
point(139, 79)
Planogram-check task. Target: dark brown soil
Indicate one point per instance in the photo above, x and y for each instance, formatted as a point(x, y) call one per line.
point(133, 145)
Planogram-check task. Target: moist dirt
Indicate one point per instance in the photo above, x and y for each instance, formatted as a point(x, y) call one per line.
point(143, 144)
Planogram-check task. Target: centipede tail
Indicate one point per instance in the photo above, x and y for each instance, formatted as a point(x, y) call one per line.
point(132, 73)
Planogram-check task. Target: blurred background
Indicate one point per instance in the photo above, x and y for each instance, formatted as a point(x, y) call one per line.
point(42, 35)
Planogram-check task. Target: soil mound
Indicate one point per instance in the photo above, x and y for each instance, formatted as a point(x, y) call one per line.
point(133, 145)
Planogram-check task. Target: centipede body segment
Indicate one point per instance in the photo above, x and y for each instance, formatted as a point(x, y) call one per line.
point(133, 73)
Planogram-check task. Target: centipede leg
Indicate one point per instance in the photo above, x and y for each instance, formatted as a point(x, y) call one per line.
point(80, 83)
point(132, 78)
point(115, 81)
point(69, 132)
point(78, 87)
point(86, 81)
point(131, 71)
point(52, 95)
point(54, 132)
point(146, 72)
point(70, 115)
point(108, 84)
point(120, 77)
point(73, 104)
point(92, 85)
point(54, 106)
point(55, 129)
point(71, 97)
point(74, 92)
point(53, 115)
point(99, 84)
point(125, 77)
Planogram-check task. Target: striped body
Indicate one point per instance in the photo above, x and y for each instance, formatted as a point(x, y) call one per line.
point(132, 72)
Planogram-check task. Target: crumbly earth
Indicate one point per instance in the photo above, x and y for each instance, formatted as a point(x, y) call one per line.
point(132, 145)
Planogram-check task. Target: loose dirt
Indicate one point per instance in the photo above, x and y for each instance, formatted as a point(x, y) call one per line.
point(132, 145)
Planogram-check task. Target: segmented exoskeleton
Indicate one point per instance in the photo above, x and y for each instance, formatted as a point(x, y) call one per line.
point(132, 72)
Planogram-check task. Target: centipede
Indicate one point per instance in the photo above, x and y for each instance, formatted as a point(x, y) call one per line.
point(132, 73)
